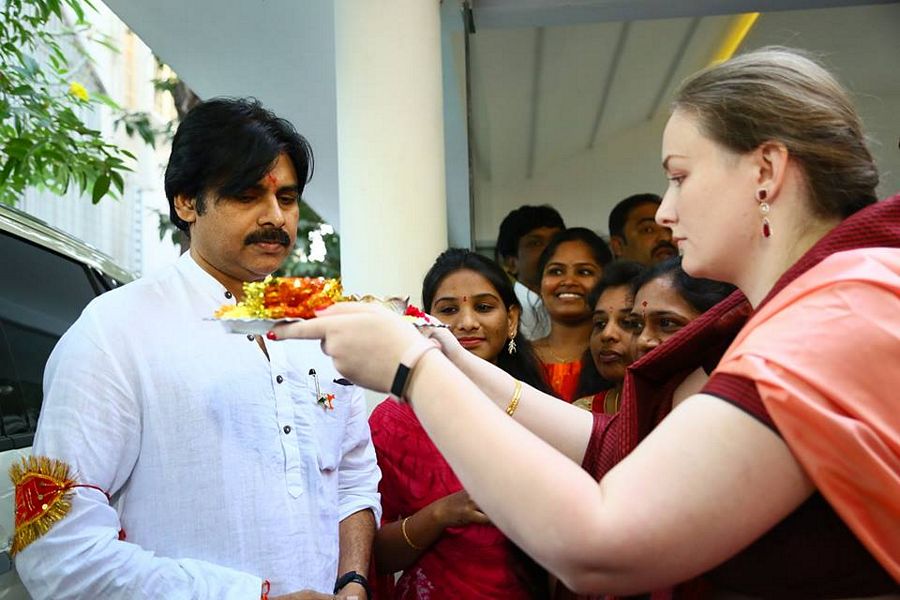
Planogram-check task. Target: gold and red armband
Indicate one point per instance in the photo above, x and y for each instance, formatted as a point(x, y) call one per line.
point(43, 497)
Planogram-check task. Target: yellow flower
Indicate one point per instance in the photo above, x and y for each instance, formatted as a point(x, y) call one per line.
point(78, 90)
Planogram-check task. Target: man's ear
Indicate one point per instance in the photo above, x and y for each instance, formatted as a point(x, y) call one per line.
point(185, 208)
point(617, 245)
point(510, 264)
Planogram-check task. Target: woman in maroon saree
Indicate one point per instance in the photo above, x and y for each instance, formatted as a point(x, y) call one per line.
point(772, 189)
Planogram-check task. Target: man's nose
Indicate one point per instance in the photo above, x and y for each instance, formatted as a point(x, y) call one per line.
point(272, 213)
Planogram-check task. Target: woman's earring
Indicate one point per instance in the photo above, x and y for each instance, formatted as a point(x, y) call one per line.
point(761, 196)
point(511, 347)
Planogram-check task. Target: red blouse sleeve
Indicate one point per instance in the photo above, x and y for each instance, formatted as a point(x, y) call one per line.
point(741, 392)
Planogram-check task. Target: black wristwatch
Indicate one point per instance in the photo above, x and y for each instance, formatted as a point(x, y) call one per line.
point(352, 577)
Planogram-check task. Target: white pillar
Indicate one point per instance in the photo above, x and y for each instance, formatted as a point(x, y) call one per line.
point(390, 143)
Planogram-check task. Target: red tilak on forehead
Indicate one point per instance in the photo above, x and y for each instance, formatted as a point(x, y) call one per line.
point(465, 298)
point(272, 180)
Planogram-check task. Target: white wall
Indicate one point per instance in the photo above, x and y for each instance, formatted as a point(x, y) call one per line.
point(583, 188)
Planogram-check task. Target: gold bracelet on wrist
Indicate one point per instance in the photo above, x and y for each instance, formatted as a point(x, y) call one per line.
point(406, 535)
point(514, 402)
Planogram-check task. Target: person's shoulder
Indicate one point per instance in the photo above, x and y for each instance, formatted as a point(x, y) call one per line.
point(390, 411)
point(131, 300)
point(843, 277)
point(874, 265)
point(391, 420)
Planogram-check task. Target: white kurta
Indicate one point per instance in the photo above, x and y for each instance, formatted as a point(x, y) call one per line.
point(223, 467)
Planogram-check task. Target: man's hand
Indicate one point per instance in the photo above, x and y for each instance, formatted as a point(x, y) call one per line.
point(366, 341)
point(352, 591)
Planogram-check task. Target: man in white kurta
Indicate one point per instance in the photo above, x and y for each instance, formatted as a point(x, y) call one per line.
point(224, 469)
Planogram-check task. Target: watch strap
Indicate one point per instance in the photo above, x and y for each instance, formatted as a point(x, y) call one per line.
point(352, 577)
point(407, 363)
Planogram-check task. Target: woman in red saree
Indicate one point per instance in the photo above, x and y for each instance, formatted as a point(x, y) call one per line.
point(612, 335)
point(780, 476)
point(431, 530)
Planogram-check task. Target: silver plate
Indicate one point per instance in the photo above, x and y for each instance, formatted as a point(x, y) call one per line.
point(246, 325)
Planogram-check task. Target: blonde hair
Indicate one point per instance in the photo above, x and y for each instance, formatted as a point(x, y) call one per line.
point(782, 95)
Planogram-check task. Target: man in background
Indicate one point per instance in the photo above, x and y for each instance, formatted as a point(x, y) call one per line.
point(524, 234)
point(635, 235)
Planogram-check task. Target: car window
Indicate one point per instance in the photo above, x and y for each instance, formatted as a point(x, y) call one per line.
point(41, 295)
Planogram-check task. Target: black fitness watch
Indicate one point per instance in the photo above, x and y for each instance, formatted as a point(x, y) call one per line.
point(352, 577)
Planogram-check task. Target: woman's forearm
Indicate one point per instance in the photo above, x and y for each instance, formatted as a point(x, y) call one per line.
point(395, 551)
point(687, 493)
point(504, 467)
point(565, 427)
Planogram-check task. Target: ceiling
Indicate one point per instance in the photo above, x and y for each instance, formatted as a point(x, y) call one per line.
point(541, 95)
point(550, 80)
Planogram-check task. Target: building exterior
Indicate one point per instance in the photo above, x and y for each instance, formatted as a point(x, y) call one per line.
point(125, 228)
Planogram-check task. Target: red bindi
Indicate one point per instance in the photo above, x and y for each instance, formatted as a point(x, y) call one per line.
point(465, 298)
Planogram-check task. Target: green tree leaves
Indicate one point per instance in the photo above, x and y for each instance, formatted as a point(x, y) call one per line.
point(44, 141)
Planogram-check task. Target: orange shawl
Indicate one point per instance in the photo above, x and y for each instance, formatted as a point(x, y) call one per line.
point(834, 390)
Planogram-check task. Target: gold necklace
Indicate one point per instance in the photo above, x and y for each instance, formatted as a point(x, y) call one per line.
point(611, 410)
point(558, 358)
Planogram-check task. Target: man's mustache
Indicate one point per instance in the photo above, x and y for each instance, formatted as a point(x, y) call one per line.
point(665, 244)
point(268, 236)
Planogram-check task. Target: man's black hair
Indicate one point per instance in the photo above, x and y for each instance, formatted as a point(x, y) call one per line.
point(520, 222)
point(225, 146)
point(619, 214)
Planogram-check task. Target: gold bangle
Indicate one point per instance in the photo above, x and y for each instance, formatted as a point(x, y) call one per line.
point(406, 535)
point(514, 402)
